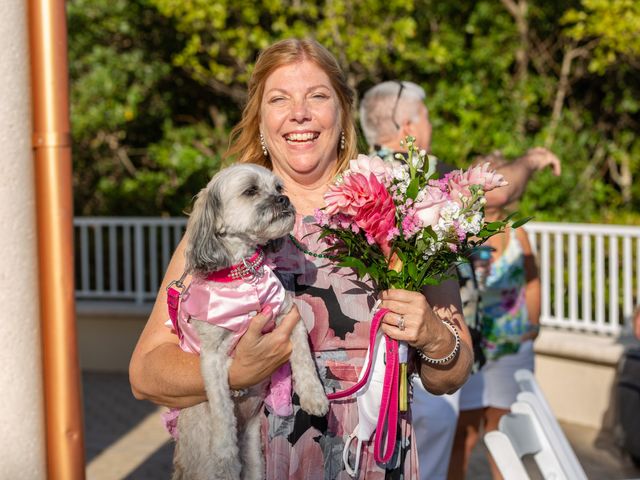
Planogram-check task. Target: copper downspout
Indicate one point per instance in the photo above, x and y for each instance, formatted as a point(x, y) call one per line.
point(52, 156)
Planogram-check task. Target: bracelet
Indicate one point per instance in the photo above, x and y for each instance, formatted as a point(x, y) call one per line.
point(451, 356)
point(238, 393)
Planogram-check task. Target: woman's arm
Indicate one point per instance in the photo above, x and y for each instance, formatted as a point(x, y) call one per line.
point(532, 285)
point(160, 371)
point(518, 173)
point(424, 329)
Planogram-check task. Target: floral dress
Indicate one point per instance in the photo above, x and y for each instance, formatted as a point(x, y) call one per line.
point(335, 307)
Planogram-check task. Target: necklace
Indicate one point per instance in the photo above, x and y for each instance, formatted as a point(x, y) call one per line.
point(300, 247)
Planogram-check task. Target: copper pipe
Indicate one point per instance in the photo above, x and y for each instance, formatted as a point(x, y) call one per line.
point(52, 156)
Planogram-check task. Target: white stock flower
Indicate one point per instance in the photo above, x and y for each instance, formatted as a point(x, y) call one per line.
point(472, 223)
point(433, 247)
point(449, 213)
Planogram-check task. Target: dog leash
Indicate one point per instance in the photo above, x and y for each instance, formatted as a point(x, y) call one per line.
point(173, 302)
point(386, 428)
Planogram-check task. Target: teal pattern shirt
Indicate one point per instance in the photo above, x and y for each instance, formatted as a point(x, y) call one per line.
point(503, 306)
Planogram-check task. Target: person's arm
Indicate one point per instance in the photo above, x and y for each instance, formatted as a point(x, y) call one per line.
point(425, 330)
point(636, 322)
point(532, 286)
point(160, 371)
point(518, 173)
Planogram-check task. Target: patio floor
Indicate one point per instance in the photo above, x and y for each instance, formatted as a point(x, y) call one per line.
point(126, 440)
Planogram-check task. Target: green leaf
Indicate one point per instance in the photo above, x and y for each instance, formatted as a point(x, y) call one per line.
point(493, 226)
point(355, 263)
point(413, 188)
point(520, 222)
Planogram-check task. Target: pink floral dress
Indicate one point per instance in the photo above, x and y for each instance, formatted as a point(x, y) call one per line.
point(335, 307)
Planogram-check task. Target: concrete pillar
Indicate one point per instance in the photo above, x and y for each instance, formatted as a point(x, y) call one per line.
point(21, 399)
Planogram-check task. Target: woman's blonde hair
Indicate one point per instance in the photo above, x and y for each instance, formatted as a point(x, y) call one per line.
point(244, 141)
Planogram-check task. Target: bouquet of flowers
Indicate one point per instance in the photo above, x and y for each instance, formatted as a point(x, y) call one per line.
point(403, 227)
point(396, 222)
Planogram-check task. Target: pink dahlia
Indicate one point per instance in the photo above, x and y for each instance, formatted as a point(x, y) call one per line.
point(349, 196)
point(367, 200)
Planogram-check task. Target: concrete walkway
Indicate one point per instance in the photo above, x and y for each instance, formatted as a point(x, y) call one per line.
point(126, 440)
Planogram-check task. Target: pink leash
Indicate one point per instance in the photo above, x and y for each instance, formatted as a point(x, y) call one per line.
point(173, 303)
point(386, 428)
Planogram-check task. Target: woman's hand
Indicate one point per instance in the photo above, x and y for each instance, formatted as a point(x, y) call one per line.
point(422, 327)
point(423, 315)
point(410, 319)
point(258, 355)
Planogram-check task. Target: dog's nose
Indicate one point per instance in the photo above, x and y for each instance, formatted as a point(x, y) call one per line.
point(283, 200)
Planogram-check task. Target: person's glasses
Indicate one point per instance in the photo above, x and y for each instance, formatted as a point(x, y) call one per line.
point(395, 106)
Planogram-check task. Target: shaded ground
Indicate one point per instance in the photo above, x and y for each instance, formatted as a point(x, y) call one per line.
point(125, 439)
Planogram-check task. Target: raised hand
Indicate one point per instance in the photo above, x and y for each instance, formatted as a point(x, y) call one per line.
point(539, 158)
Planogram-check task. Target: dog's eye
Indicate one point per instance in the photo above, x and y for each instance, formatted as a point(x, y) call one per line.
point(279, 188)
point(250, 192)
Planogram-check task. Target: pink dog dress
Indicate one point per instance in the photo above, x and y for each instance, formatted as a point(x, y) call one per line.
point(230, 298)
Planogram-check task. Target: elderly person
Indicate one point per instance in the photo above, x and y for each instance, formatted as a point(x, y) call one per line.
point(389, 112)
point(392, 110)
point(298, 122)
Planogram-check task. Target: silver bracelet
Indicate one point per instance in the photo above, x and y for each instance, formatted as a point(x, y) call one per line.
point(448, 358)
point(238, 393)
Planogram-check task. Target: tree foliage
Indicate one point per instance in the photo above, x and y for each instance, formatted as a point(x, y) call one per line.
point(158, 83)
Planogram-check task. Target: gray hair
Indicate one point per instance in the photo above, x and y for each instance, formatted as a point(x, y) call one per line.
point(376, 108)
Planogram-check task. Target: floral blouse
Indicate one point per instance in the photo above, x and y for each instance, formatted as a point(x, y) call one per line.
point(335, 307)
point(503, 307)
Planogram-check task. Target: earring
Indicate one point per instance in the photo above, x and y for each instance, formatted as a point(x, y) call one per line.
point(265, 152)
point(343, 140)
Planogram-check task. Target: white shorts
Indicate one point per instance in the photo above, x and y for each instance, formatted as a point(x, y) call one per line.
point(494, 385)
point(434, 419)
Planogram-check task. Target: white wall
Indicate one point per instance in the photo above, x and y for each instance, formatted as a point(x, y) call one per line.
point(21, 404)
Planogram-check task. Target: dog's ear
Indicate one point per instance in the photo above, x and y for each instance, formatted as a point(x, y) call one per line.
point(205, 250)
point(274, 245)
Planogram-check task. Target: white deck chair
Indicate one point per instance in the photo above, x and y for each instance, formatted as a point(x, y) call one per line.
point(532, 394)
point(505, 455)
point(520, 433)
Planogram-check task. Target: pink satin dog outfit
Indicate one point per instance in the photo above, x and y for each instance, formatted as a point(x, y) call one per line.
point(231, 304)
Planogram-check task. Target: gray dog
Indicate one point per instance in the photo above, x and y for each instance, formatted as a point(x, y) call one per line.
point(241, 209)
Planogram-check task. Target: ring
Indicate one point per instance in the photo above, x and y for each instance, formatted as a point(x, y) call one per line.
point(401, 323)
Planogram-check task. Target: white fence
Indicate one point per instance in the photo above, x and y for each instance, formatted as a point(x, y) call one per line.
point(590, 273)
point(123, 258)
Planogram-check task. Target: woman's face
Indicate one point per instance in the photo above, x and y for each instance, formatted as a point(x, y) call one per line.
point(300, 122)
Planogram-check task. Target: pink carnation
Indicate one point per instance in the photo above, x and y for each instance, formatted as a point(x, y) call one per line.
point(429, 206)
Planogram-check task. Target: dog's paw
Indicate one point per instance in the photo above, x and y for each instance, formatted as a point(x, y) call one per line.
point(317, 405)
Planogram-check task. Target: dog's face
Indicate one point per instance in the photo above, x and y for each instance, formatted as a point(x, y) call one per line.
point(242, 206)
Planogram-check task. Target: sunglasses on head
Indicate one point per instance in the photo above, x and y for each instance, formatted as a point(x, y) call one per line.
point(395, 105)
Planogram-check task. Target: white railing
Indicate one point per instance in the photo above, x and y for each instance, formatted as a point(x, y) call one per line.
point(590, 273)
point(123, 258)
